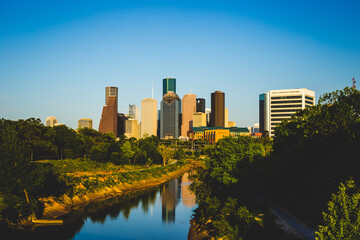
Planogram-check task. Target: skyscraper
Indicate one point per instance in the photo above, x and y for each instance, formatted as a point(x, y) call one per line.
point(148, 117)
point(217, 116)
point(169, 113)
point(85, 123)
point(108, 121)
point(226, 117)
point(200, 105)
point(51, 121)
point(188, 109)
point(134, 112)
point(278, 105)
point(169, 84)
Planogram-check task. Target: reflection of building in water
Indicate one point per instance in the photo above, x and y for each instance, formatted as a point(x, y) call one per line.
point(187, 197)
point(169, 200)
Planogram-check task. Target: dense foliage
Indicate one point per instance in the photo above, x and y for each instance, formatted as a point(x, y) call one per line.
point(342, 220)
point(222, 188)
point(314, 152)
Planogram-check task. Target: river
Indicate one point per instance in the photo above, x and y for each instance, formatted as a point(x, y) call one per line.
point(162, 212)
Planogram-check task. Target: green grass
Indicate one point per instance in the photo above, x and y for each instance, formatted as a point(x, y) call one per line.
point(85, 176)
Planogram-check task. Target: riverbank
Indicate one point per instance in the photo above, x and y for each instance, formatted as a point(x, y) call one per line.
point(56, 208)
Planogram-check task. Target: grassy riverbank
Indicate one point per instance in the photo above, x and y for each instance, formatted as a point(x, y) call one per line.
point(89, 181)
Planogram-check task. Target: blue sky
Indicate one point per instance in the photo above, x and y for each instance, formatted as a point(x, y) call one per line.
point(56, 57)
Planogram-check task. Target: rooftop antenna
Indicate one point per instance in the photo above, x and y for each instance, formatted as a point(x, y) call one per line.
point(353, 83)
point(152, 89)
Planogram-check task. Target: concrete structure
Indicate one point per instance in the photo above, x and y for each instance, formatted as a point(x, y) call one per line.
point(51, 121)
point(188, 109)
point(256, 128)
point(131, 128)
point(278, 105)
point(148, 117)
point(231, 124)
point(85, 123)
point(170, 110)
point(134, 112)
point(208, 113)
point(109, 116)
point(217, 116)
point(226, 117)
point(199, 119)
point(169, 84)
point(214, 134)
point(200, 105)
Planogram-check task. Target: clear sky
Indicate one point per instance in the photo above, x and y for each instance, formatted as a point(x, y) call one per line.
point(56, 57)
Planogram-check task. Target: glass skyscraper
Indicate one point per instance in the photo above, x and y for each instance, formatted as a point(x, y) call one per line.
point(169, 84)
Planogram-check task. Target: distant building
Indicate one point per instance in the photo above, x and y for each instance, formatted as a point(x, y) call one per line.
point(200, 105)
point(188, 109)
point(134, 112)
point(214, 134)
point(131, 128)
point(217, 116)
point(231, 124)
point(121, 119)
point(170, 116)
point(199, 119)
point(208, 113)
point(51, 121)
point(108, 121)
point(85, 123)
point(278, 105)
point(148, 117)
point(256, 128)
point(169, 84)
point(226, 117)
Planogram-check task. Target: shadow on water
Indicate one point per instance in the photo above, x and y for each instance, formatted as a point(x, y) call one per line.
point(98, 212)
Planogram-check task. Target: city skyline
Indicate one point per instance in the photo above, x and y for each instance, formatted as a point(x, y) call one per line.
point(56, 59)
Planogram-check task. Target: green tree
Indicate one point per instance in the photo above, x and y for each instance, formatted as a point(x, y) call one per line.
point(342, 221)
point(166, 154)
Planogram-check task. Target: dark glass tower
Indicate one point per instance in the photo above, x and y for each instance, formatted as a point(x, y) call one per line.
point(217, 116)
point(200, 105)
point(169, 84)
point(170, 116)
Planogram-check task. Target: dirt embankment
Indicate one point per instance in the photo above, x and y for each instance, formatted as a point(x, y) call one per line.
point(54, 209)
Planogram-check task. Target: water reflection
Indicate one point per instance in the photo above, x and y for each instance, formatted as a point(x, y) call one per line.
point(147, 214)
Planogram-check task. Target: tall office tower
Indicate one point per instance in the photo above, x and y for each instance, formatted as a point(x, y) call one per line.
point(85, 123)
point(208, 113)
point(278, 105)
point(134, 112)
point(121, 118)
point(108, 121)
point(169, 116)
point(148, 117)
point(51, 121)
point(226, 117)
point(169, 84)
point(131, 128)
point(217, 116)
point(200, 105)
point(188, 109)
point(199, 119)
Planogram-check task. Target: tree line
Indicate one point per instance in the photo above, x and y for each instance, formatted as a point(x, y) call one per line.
point(312, 159)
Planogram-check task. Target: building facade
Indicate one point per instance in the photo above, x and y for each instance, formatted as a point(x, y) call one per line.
point(131, 128)
point(51, 121)
point(109, 116)
point(148, 123)
point(217, 116)
point(199, 119)
point(188, 109)
point(169, 84)
point(278, 105)
point(134, 112)
point(170, 116)
point(85, 123)
point(200, 105)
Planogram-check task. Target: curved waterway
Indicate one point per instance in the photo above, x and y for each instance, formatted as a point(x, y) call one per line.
point(162, 212)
